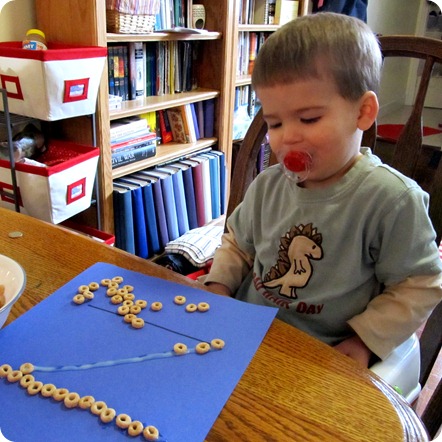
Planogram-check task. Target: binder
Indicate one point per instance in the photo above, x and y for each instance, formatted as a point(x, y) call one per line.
point(153, 243)
point(180, 198)
point(124, 226)
point(169, 201)
point(206, 187)
point(209, 118)
point(189, 192)
point(163, 233)
point(214, 184)
point(139, 221)
point(222, 178)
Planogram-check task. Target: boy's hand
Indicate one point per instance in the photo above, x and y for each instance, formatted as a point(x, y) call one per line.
point(219, 289)
point(355, 348)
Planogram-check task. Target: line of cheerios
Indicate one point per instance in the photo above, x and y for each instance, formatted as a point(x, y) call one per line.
point(129, 308)
point(72, 400)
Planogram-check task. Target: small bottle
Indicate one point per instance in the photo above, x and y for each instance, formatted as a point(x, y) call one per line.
point(35, 40)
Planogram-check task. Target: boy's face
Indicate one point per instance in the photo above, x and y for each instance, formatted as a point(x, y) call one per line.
point(311, 116)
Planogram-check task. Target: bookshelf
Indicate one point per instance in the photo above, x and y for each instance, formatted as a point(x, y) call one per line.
point(84, 22)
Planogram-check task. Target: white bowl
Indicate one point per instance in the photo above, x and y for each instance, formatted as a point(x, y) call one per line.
point(13, 277)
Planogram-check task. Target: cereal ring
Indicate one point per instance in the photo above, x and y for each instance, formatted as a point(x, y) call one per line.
point(123, 310)
point(71, 400)
point(135, 428)
point(128, 302)
point(111, 291)
point(105, 282)
point(78, 299)
point(203, 306)
point(113, 285)
point(129, 317)
point(122, 292)
point(26, 368)
point(202, 347)
point(156, 306)
point(60, 393)
point(4, 370)
point(88, 295)
point(180, 300)
point(123, 421)
point(94, 286)
point(86, 402)
point(135, 309)
point(14, 376)
point(117, 279)
point(191, 308)
point(98, 407)
point(217, 343)
point(141, 303)
point(137, 322)
point(26, 380)
point(116, 299)
point(129, 297)
point(129, 288)
point(83, 288)
point(151, 433)
point(107, 415)
point(34, 387)
point(180, 349)
point(48, 390)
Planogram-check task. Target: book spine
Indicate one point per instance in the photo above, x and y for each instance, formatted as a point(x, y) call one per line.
point(137, 66)
point(138, 143)
point(131, 156)
point(165, 127)
point(122, 130)
point(177, 126)
point(110, 70)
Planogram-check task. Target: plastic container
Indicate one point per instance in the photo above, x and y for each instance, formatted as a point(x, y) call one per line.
point(35, 40)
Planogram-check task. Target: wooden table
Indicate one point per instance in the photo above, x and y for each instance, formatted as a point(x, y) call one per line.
point(295, 389)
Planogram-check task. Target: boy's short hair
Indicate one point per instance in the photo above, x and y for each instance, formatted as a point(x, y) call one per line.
point(335, 44)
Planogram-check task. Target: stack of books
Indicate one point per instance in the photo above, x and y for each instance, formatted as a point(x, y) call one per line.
point(157, 205)
point(132, 139)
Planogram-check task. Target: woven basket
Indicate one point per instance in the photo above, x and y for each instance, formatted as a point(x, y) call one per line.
point(121, 23)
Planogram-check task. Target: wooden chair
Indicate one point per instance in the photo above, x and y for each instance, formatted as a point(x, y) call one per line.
point(408, 155)
point(432, 414)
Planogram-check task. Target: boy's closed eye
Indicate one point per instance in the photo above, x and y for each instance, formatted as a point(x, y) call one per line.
point(310, 120)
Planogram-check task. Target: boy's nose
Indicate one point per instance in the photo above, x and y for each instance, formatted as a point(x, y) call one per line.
point(292, 135)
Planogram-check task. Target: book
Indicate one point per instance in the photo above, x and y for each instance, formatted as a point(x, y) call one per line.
point(189, 192)
point(200, 117)
point(139, 221)
point(169, 201)
point(209, 118)
point(253, 50)
point(285, 11)
point(176, 121)
point(206, 187)
point(189, 123)
point(180, 197)
point(126, 126)
point(195, 120)
point(125, 143)
point(197, 175)
point(151, 68)
point(222, 179)
point(123, 219)
point(137, 69)
point(165, 127)
point(261, 12)
point(110, 70)
point(136, 153)
point(163, 233)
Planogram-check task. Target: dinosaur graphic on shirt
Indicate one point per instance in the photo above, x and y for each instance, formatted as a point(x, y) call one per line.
point(293, 270)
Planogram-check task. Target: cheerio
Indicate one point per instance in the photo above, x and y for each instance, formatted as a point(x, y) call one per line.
point(35, 40)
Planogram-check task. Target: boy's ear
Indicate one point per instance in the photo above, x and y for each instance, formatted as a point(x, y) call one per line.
point(368, 110)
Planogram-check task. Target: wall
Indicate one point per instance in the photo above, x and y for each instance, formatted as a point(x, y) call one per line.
point(16, 17)
point(391, 17)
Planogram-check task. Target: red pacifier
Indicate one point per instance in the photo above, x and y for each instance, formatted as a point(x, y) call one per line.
point(297, 165)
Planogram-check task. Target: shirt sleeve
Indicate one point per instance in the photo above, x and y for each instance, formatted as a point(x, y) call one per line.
point(397, 313)
point(230, 264)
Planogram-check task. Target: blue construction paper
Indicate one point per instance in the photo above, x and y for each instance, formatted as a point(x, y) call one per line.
point(180, 395)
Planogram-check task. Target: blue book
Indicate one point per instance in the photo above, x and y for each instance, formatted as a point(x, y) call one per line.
point(163, 233)
point(169, 201)
point(214, 184)
point(139, 221)
point(123, 217)
point(209, 118)
point(195, 121)
point(222, 179)
point(153, 243)
point(189, 192)
point(180, 197)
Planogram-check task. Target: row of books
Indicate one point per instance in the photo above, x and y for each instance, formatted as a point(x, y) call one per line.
point(145, 69)
point(249, 43)
point(172, 13)
point(268, 12)
point(135, 138)
point(157, 205)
